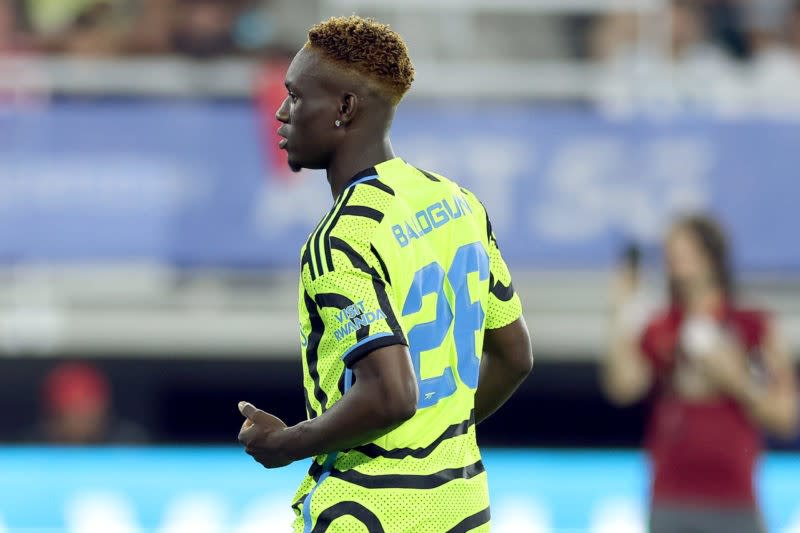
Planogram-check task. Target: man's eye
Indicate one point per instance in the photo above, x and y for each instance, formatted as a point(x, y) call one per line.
point(293, 96)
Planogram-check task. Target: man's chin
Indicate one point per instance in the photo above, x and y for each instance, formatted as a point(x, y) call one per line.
point(294, 166)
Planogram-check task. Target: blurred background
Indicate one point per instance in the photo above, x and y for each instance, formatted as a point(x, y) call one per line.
point(150, 234)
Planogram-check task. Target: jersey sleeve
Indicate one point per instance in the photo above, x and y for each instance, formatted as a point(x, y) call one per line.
point(357, 313)
point(504, 305)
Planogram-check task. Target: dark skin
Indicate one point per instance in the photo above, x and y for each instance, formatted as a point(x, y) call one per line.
point(383, 396)
point(507, 360)
point(319, 95)
point(384, 393)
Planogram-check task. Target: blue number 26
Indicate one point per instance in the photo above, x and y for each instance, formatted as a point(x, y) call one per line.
point(468, 318)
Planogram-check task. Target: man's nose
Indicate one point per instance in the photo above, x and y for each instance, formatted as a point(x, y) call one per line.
point(282, 114)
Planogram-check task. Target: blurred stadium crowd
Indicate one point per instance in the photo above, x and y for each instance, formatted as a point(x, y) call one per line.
point(733, 29)
point(730, 56)
point(192, 28)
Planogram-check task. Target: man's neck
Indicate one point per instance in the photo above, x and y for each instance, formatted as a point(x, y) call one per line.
point(352, 159)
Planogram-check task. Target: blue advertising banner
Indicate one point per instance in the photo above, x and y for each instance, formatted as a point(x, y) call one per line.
point(222, 490)
point(191, 183)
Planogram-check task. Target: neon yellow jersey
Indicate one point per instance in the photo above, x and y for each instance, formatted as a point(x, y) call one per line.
point(403, 257)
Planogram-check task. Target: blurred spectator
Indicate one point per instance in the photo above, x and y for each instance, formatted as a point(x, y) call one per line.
point(7, 26)
point(716, 373)
point(20, 81)
point(81, 27)
point(765, 22)
point(617, 36)
point(48, 18)
point(689, 36)
point(194, 28)
point(78, 409)
point(793, 30)
point(255, 26)
point(94, 32)
point(717, 21)
point(726, 26)
point(774, 30)
point(681, 71)
point(11, 38)
point(204, 28)
point(152, 27)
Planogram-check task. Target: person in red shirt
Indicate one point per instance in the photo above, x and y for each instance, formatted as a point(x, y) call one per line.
point(717, 375)
point(78, 410)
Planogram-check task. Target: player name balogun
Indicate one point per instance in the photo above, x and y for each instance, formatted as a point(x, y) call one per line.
point(432, 217)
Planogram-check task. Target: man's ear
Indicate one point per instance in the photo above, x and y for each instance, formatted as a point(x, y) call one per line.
point(348, 108)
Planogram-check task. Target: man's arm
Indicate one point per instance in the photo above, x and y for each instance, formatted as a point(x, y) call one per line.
point(506, 362)
point(383, 396)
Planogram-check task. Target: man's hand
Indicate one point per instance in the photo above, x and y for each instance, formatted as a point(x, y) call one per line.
point(261, 435)
point(383, 396)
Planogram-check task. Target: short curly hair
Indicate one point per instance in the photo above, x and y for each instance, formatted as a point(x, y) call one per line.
point(368, 47)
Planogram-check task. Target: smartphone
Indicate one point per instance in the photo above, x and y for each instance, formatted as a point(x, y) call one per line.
point(632, 257)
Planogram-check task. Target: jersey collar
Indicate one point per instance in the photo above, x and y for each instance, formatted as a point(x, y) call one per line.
point(365, 175)
point(371, 173)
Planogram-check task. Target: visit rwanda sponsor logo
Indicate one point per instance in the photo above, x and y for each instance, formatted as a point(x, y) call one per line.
point(354, 317)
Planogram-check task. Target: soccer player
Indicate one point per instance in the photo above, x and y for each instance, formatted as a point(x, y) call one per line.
point(717, 374)
point(402, 286)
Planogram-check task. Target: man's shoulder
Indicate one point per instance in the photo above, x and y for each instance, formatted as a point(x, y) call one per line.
point(363, 208)
point(347, 240)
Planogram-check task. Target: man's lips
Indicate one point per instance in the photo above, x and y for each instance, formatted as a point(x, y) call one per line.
point(284, 141)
